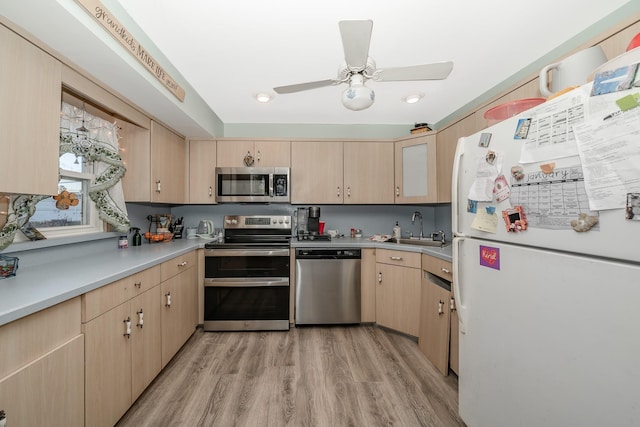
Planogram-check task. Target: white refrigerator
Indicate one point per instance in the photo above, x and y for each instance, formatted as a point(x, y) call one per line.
point(549, 316)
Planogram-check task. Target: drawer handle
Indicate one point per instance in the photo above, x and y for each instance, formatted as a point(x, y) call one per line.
point(138, 285)
point(380, 277)
point(182, 264)
point(396, 258)
point(168, 303)
point(210, 191)
point(127, 323)
point(440, 308)
point(452, 304)
point(158, 188)
point(140, 318)
point(445, 270)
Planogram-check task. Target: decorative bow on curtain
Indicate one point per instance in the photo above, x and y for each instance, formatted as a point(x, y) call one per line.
point(98, 143)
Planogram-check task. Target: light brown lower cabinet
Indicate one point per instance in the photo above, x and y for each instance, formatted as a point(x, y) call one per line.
point(179, 315)
point(435, 312)
point(435, 323)
point(132, 328)
point(122, 357)
point(49, 391)
point(398, 290)
point(41, 368)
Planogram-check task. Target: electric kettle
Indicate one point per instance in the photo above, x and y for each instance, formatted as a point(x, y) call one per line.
point(205, 228)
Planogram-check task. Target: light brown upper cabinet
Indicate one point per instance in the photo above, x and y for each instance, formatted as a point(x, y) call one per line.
point(232, 153)
point(156, 162)
point(316, 172)
point(415, 169)
point(202, 171)
point(168, 165)
point(368, 172)
point(447, 140)
point(30, 93)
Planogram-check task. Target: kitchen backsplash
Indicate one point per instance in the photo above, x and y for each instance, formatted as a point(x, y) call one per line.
point(372, 219)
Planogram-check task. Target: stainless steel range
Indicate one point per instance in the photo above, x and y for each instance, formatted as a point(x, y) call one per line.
point(247, 276)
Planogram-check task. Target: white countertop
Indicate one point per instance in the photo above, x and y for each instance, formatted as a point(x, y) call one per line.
point(72, 270)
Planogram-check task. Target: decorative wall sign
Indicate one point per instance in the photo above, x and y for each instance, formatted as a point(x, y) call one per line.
point(104, 17)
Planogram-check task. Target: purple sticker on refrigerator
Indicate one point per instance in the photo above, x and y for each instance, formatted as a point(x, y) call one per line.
point(490, 257)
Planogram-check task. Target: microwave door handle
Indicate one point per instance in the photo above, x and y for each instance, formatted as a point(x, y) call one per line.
point(270, 185)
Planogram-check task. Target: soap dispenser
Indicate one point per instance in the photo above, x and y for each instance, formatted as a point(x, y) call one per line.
point(396, 231)
point(137, 238)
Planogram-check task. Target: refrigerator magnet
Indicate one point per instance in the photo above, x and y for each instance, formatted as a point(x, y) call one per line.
point(501, 188)
point(490, 257)
point(517, 172)
point(633, 206)
point(515, 219)
point(472, 206)
point(485, 138)
point(522, 130)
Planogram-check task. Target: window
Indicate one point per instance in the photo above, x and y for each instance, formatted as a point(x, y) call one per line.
point(75, 177)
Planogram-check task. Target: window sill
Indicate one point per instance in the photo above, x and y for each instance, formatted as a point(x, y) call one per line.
point(60, 241)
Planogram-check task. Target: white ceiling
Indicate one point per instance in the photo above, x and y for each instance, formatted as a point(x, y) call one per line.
point(229, 51)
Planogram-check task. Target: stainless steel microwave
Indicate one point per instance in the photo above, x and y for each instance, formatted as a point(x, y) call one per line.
point(248, 184)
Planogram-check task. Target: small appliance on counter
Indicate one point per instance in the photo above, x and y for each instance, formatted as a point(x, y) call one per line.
point(309, 226)
point(205, 228)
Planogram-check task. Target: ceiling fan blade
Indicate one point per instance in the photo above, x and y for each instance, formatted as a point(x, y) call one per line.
point(356, 36)
point(435, 71)
point(304, 86)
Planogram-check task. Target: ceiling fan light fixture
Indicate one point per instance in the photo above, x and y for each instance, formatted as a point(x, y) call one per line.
point(263, 98)
point(413, 98)
point(357, 96)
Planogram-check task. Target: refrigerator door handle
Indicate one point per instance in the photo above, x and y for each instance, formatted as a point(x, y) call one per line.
point(455, 184)
point(460, 306)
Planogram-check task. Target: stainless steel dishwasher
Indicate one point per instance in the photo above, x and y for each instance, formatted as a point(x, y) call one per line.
point(327, 286)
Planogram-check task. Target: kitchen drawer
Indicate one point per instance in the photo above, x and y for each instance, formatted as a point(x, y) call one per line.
point(28, 338)
point(402, 258)
point(437, 267)
point(177, 265)
point(103, 299)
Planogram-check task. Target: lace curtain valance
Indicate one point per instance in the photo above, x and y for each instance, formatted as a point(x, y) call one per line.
point(98, 144)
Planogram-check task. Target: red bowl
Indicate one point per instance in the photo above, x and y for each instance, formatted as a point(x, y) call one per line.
point(509, 109)
point(634, 43)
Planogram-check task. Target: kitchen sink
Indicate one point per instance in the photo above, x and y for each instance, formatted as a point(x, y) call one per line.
point(424, 241)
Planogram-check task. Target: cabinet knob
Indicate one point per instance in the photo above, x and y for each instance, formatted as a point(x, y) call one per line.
point(380, 277)
point(396, 258)
point(127, 327)
point(158, 188)
point(452, 304)
point(140, 318)
point(182, 264)
point(348, 191)
point(440, 308)
point(258, 155)
point(397, 191)
point(445, 270)
point(138, 285)
point(168, 302)
point(210, 191)
point(338, 192)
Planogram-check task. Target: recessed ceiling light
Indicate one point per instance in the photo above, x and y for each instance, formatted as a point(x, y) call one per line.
point(263, 97)
point(413, 98)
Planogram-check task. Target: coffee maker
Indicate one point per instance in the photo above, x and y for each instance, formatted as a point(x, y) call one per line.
point(308, 224)
point(313, 223)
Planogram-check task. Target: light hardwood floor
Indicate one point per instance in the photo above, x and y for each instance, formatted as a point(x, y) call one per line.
point(309, 376)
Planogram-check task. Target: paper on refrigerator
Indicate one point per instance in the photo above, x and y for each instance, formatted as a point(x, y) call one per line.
point(610, 156)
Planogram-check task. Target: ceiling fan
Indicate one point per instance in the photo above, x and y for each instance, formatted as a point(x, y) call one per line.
point(359, 67)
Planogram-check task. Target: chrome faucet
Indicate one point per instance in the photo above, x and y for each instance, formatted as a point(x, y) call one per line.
point(413, 219)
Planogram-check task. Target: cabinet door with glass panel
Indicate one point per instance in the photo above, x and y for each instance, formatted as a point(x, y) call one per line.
point(415, 170)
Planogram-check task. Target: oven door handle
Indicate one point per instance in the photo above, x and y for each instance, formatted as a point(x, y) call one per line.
point(246, 283)
point(245, 252)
